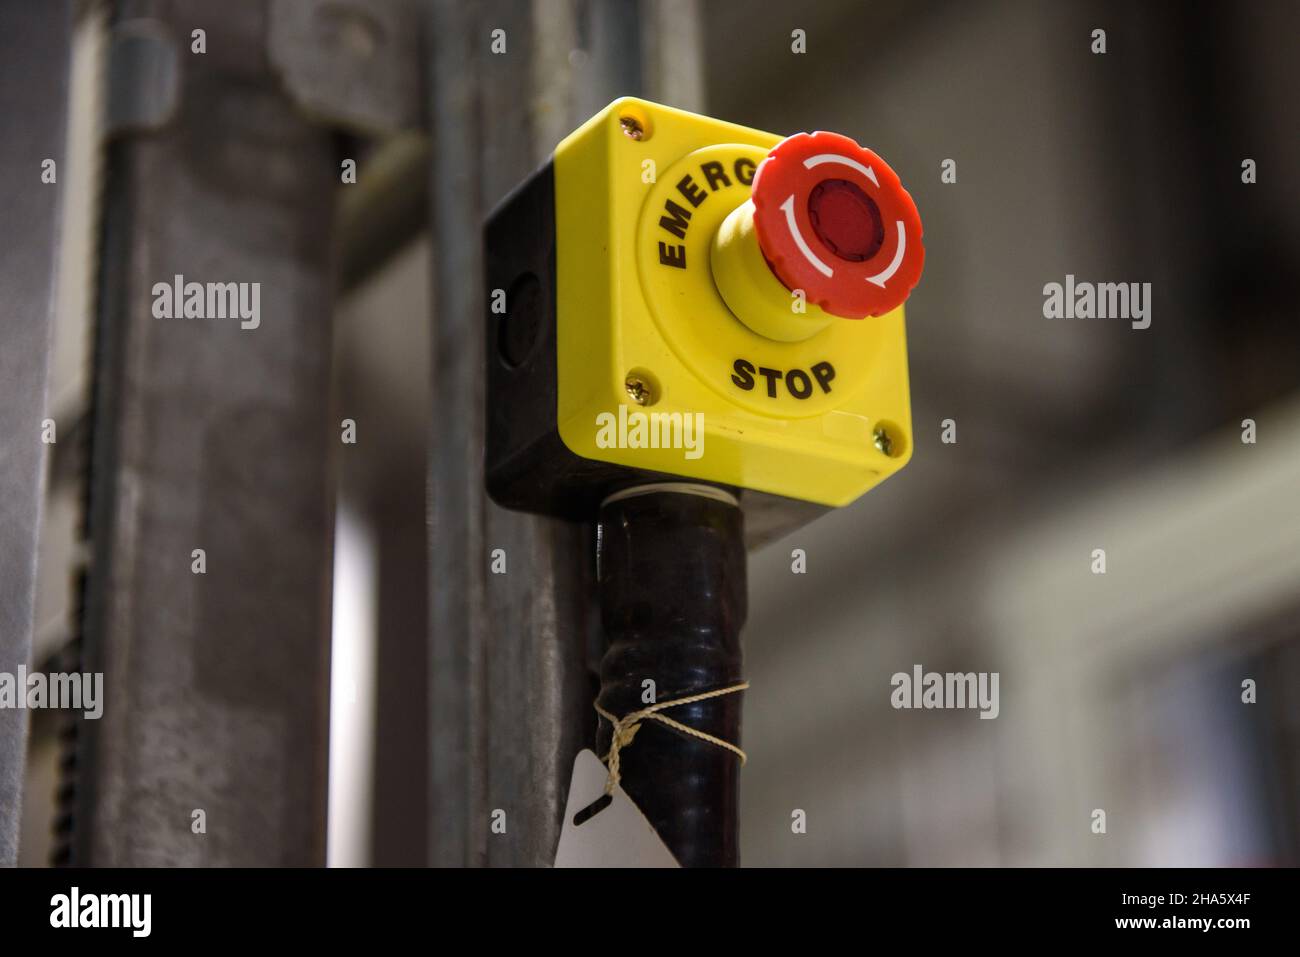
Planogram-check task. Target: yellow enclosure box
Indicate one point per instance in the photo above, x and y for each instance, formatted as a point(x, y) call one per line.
point(641, 195)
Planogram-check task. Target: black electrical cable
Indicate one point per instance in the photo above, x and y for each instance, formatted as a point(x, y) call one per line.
point(671, 569)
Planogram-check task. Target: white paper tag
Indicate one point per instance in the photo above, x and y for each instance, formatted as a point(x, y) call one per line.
point(617, 836)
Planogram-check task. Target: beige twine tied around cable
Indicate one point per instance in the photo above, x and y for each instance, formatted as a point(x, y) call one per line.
point(625, 728)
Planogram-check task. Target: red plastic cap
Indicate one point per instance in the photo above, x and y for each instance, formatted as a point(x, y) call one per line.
point(833, 220)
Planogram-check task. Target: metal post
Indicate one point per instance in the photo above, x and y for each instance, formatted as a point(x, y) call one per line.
point(512, 656)
point(209, 436)
point(35, 40)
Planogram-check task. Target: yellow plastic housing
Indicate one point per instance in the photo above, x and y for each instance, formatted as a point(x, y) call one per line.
point(640, 316)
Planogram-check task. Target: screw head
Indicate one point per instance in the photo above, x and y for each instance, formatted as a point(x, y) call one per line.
point(632, 127)
point(883, 440)
point(638, 389)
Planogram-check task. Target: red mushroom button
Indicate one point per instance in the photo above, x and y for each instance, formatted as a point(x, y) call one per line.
point(834, 220)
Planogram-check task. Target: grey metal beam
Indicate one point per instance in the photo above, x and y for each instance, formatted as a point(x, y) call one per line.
point(35, 40)
point(510, 655)
point(216, 437)
point(457, 831)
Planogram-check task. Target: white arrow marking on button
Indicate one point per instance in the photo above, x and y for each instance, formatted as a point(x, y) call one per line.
point(788, 208)
point(820, 158)
point(880, 278)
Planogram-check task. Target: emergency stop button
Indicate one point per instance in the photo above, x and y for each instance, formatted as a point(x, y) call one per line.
point(834, 220)
point(829, 219)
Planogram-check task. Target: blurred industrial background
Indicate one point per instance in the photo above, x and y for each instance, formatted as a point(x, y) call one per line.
point(452, 694)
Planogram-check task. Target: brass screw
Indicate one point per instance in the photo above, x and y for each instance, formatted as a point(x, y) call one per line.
point(883, 440)
point(632, 127)
point(638, 389)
